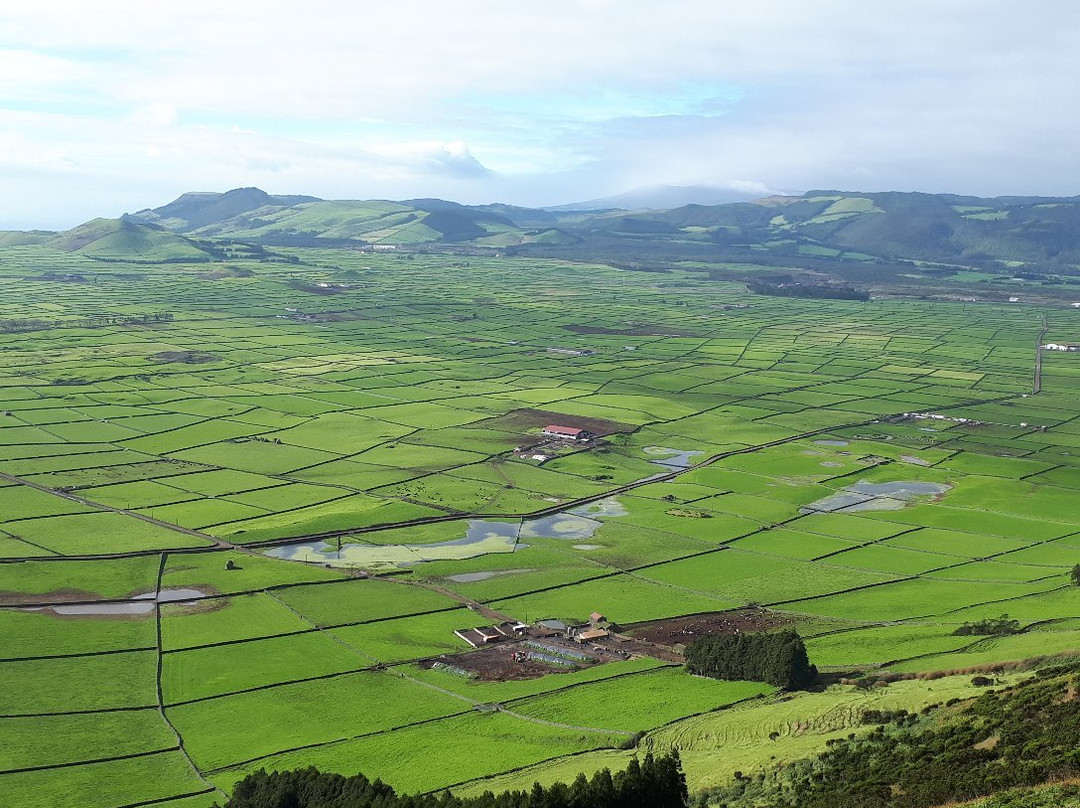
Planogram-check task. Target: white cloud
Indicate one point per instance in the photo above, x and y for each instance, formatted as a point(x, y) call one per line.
point(566, 100)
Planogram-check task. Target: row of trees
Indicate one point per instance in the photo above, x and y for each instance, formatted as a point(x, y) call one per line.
point(779, 659)
point(655, 782)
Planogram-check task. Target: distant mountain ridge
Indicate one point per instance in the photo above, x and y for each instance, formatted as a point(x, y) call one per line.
point(661, 197)
point(1036, 234)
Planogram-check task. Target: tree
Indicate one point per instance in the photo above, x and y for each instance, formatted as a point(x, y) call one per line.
point(1075, 574)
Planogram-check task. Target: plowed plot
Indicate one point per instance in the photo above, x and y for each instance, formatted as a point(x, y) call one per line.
point(496, 664)
point(528, 420)
point(509, 662)
point(682, 630)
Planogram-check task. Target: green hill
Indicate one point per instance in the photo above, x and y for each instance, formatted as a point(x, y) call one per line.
point(124, 239)
point(194, 210)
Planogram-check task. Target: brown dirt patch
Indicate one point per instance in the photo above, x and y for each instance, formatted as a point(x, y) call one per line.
point(9, 598)
point(497, 664)
point(989, 743)
point(526, 420)
point(184, 357)
point(682, 630)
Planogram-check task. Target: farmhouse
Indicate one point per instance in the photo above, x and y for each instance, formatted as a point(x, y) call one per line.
point(566, 432)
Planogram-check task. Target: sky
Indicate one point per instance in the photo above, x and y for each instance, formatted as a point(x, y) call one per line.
point(118, 105)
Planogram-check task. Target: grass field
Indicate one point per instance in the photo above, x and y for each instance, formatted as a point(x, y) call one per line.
point(390, 434)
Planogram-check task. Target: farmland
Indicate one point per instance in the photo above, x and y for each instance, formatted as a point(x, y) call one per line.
point(241, 516)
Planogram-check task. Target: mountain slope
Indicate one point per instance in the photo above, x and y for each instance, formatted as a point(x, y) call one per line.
point(198, 209)
point(125, 239)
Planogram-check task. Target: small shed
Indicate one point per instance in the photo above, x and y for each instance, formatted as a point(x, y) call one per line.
point(591, 635)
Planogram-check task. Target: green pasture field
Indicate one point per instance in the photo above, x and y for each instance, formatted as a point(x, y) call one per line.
point(218, 731)
point(360, 601)
point(118, 782)
point(408, 638)
point(252, 572)
point(390, 413)
point(218, 620)
point(107, 681)
point(99, 533)
point(212, 671)
point(35, 581)
point(435, 755)
point(637, 703)
point(40, 633)
point(52, 740)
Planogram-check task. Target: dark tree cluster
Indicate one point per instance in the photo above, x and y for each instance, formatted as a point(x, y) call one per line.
point(655, 782)
point(991, 627)
point(779, 659)
point(816, 291)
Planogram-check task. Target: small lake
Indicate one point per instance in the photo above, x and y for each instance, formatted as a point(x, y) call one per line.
point(482, 536)
point(576, 524)
point(138, 604)
point(826, 442)
point(671, 458)
point(864, 496)
point(561, 526)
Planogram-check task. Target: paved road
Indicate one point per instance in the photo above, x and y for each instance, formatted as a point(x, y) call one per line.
point(1036, 387)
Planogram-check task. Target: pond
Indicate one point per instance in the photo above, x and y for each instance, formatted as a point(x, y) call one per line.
point(138, 604)
point(577, 524)
point(671, 458)
point(864, 496)
point(481, 536)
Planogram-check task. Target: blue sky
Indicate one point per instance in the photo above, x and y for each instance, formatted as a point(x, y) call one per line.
point(119, 105)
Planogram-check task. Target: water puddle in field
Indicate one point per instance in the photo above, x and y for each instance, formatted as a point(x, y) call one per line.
point(474, 577)
point(917, 461)
point(671, 458)
point(561, 526)
point(587, 546)
point(481, 537)
point(864, 496)
point(138, 604)
point(825, 442)
point(603, 507)
point(576, 524)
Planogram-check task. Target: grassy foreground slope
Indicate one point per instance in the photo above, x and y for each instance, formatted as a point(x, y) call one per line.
point(1025, 735)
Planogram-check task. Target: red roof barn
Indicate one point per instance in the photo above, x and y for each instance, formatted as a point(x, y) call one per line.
point(568, 432)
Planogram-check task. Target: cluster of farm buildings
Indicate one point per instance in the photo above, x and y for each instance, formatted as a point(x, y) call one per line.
point(596, 629)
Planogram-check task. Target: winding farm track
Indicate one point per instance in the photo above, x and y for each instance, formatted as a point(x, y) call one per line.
point(142, 517)
point(1036, 386)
